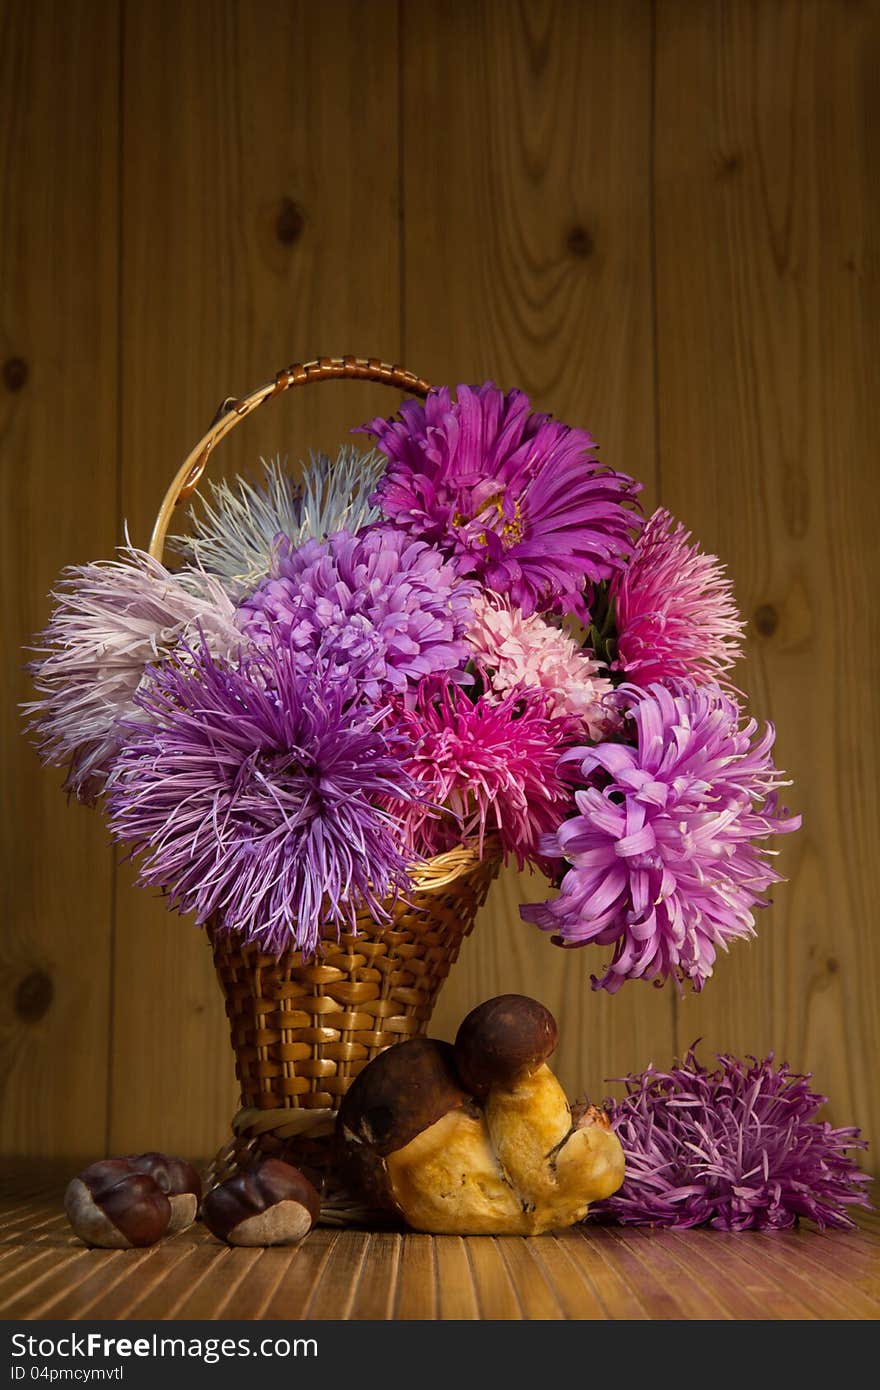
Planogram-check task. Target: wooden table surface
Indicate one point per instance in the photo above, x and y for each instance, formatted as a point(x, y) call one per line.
point(595, 1272)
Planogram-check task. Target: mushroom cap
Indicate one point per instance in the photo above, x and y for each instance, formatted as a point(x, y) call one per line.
point(270, 1203)
point(503, 1039)
point(400, 1093)
point(111, 1205)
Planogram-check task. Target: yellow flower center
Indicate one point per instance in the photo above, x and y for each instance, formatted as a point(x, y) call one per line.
point(511, 530)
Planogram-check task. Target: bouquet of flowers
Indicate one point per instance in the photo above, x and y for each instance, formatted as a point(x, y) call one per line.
point(471, 635)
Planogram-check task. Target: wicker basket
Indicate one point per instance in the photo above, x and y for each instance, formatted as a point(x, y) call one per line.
point(302, 1030)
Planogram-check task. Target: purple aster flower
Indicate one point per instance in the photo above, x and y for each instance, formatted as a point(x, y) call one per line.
point(111, 620)
point(252, 794)
point(674, 609)
point(664, 861)
point(738, 1148)
point(378, 609)
point(519, 498)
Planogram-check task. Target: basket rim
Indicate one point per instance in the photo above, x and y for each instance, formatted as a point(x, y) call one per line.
point(429, 876)
point(434, 874)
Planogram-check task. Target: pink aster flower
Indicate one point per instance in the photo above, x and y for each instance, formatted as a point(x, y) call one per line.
point(527, 651)
point(664, 853)
point(486, 766)
point(674, 609)
point(378, 610)
point(518, 497)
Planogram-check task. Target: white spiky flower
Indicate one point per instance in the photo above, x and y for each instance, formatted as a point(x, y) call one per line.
point(111, 620)
point(235, 528)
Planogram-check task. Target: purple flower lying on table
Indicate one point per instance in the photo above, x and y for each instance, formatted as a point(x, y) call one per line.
point(738, 1148)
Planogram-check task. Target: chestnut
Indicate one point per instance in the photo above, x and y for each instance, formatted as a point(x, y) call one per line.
point(111, 1205)
point(269, 1203)
point(179, 1181)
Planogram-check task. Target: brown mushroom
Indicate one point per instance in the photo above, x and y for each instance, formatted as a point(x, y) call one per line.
point(503, 1039)
point(557, 1166)
point(270, 1203)
point(179, 1181)
point(412, 1139)
point(403, 1091)
point(111, 1205)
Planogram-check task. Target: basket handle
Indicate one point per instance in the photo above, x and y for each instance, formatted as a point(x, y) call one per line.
point(232, 411)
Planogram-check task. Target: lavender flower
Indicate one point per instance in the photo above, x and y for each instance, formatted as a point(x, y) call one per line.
point(252, 794)
point(380, 610)
point(738, 1148)
point(233, 533)
point(112, 619)
point(519, 498)
point(664, 863)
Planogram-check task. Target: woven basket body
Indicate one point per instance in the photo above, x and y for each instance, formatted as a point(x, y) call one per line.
point(301, 1030)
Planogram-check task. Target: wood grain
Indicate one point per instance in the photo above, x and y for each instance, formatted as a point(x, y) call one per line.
point(217, 294)
point(662, 221)
point(768, 335)
point(590, 1273)
point(58, 505)
point(528, 260)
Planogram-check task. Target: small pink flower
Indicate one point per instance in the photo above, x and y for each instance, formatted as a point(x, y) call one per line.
point(527, 651)
point(674, 609)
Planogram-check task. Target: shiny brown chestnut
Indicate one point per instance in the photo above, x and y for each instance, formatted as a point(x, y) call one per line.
point(270, 1203)
point(111, 1205)
point(179, 1181)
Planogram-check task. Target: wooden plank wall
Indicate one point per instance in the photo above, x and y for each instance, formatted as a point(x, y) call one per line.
point(660, 219)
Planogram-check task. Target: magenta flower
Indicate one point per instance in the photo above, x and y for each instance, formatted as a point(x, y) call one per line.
point(253, 796)
point(486, 767)
point(379, 610)
point(665, 864)
point(520, 499)
point(674, 609)
point(516, 650)
point(110, 621)
point(738, 1148)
